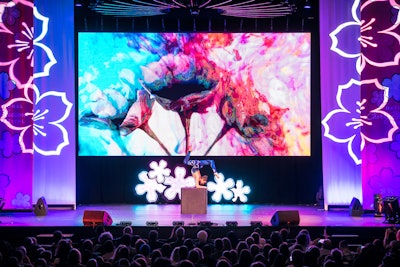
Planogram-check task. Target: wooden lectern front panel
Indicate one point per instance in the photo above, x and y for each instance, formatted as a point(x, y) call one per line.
point(194, 201)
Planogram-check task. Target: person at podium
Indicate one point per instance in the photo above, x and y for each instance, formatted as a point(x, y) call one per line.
point(200, 180)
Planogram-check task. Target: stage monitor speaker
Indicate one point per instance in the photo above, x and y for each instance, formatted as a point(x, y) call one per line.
point(96, 217)
point(356, 208)
point(285, 217)
point(41, 207)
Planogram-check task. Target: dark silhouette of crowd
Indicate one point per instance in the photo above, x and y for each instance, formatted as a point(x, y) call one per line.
point(129, 249)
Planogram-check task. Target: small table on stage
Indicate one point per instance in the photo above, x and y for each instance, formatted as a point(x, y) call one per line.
point(194, 200)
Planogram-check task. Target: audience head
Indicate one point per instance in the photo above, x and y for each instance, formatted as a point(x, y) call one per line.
point(127, 230)
point(254, 249)
point(194, 256)
point(166, 250)
point(153, 235)
point(126, 239)
point(105, 236)
point(275, 239)
point(40, 262)
point(218, 244)
point(273, 252)
point(145, 250)
point(185, 263)
point(92, 263)
point(74, 257)
point(279, 261)
point(175, 257)
point(223, 262)
point(256, 237)
point(241, 245)
point(297, 257)
point(161, 262)
point(183, 252)
point(337, 255)
point(202, 236)
point(188, 242)
point(284, 234)
point(245, 258)
point(57, 236)
point(180, 233)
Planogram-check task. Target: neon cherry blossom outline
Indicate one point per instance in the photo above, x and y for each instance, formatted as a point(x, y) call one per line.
point(177, 183)
point(366, 41)
point(36, 41)
point(22, 45)
point(38, 116)
point(363, 119)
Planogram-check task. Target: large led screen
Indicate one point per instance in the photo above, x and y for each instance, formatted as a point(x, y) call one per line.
point(220, 94)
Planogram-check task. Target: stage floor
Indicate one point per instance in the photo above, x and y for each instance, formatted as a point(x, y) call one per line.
point(166, 214)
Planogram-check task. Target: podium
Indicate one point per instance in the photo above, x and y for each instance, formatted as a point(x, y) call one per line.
point(194, 201)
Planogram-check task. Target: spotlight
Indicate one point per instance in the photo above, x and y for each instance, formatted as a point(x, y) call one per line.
point(391, 209)
point(152, 223)
point(178, 223)
point(307, 5)
point(231, 223)
point(256, 223)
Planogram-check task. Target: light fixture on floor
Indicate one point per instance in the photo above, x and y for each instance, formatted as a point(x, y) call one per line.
point(205, 223)
point(152, 223)
point(124, 223)
point(231, 223)
point(178, 223)
point(256, 223)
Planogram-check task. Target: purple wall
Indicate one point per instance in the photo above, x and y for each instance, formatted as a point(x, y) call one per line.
point(17, 104)
point(380, 50)
point(37, 125)
point(339, 92)
point(359, 58)
point(54, 158)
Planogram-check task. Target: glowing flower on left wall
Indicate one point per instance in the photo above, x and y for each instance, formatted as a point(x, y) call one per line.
point(21, 44)
point(44, 123)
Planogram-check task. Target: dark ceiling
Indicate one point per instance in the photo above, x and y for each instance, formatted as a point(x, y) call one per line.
point(196, 15)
